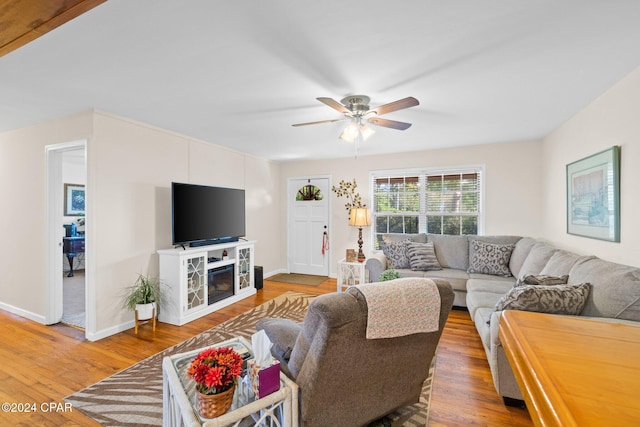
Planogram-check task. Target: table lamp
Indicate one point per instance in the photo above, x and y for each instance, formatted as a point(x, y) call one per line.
point(359, 217)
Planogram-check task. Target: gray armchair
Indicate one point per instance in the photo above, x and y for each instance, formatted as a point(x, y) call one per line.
point(344, 378)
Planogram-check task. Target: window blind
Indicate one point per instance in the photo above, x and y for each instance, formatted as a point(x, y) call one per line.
point(439, 202)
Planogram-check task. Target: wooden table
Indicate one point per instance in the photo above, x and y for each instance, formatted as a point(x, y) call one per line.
point(573, 371)
point(71, 247)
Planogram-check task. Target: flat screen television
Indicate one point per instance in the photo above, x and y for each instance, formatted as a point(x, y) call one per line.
point(204, 215)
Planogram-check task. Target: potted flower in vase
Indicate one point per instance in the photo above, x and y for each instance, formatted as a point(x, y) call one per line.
point(215, 371)
point(143, 296)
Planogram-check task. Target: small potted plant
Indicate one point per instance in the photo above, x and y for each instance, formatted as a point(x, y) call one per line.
point(215, 371)
point(389, 275)
point(143, 296)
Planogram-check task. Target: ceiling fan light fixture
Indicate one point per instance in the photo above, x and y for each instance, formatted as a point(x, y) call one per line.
point(355, 108)
point(350, 133)
point(366, 132)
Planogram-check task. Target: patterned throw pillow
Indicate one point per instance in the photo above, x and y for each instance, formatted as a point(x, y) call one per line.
point(542, 280)
point(396, 253)
point(559, 299)
point(422, 257)
point(490, 258)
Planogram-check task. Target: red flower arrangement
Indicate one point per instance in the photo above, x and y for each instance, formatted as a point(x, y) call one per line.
point(215, 370)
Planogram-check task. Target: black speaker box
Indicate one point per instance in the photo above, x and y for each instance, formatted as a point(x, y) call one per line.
point(258, 278)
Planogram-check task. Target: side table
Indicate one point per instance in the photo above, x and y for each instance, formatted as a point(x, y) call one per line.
point(350, 273)
point(178, 397)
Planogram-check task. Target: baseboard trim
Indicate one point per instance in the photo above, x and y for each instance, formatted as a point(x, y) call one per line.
point(273, 273)
point(23, 313)
point(104, 333)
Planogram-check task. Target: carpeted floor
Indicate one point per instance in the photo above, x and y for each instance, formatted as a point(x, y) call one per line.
point(73, 312)
point(133, 397)
point(300, 279)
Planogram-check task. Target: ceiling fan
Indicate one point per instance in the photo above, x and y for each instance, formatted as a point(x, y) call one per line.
point(355, 108)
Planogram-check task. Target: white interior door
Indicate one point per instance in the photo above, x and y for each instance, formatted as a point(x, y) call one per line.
point(54, 235)
point(308, 204)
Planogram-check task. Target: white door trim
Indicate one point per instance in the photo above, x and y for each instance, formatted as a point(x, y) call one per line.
point(54, 232)
point(290, 181)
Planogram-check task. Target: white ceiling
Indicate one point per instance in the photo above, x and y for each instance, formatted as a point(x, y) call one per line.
point(239, 73)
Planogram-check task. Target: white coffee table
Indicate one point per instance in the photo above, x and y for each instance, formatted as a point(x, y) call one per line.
point(178, 397)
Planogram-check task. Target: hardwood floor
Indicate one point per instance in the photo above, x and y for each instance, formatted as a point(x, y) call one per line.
point(43, 364)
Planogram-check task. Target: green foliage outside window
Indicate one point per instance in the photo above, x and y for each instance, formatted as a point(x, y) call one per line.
point(434, 203)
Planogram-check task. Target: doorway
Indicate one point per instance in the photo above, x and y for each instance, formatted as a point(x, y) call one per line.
point(66, 225)
point(308, 225)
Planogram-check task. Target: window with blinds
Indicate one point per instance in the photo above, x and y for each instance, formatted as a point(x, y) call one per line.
point(426, 202)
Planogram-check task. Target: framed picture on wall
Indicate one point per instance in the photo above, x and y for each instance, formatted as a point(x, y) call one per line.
point(593, 196)
point(73, 200)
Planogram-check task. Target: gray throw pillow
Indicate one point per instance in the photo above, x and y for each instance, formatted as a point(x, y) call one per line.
point(559, 299)
point(490, 258)
point(396, 253)
point(542, 280)
point(422, 257)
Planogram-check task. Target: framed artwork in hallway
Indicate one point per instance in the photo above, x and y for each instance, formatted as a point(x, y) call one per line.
point(73, 200)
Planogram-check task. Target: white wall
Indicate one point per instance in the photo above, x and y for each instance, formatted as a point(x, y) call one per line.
point(260, 179)
point(264, 207)
point(612, 119)
point(22, 191)
point(512, 175)
point(130, 167)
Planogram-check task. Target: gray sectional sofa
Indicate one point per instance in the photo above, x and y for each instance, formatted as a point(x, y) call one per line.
point(614, 291)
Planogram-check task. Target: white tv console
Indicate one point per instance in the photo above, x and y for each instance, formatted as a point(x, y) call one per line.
point(184, 277)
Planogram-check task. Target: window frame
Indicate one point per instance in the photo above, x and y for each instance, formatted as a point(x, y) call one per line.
point(422, 174)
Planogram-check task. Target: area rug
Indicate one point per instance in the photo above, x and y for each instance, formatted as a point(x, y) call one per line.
point(76, 320)
point(299, 279)
point(133, 397)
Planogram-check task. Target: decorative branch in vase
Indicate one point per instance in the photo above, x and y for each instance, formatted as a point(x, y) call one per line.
point(358, 212)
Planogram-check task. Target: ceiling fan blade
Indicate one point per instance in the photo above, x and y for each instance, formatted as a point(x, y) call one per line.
point(317, 123)
point(335, 105)
point(400, 104)
point(389, 123)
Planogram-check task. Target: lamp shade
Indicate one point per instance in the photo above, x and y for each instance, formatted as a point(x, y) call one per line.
point(359, 217)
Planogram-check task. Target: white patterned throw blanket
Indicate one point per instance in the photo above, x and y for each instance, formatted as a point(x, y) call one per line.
point(401, 307)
